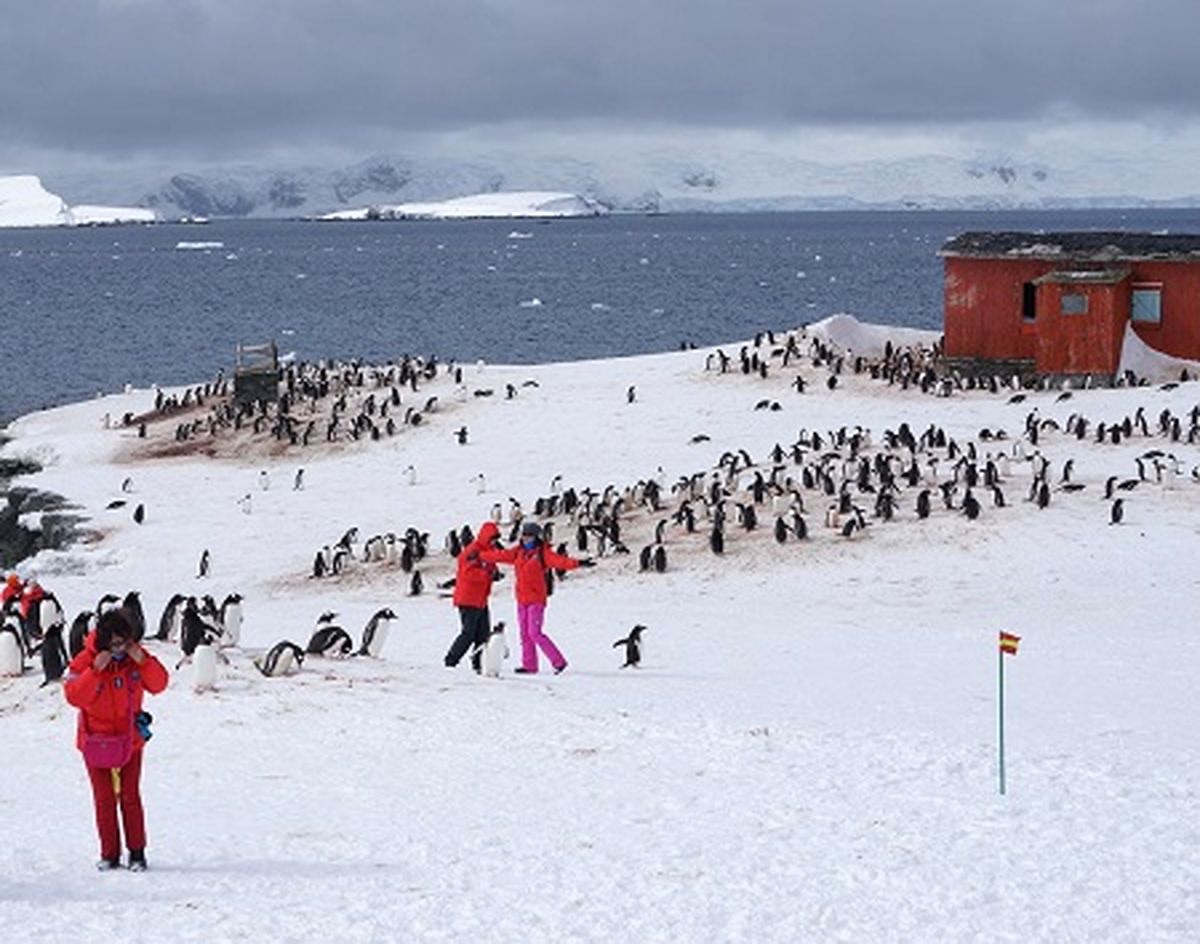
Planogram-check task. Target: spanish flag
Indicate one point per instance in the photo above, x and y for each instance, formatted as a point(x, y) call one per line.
point(1009, 643)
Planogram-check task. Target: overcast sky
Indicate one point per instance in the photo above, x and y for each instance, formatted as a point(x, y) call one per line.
point(205, 79)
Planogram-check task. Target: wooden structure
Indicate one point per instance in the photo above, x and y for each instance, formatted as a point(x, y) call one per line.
point(1058, 303)
point(256, 376)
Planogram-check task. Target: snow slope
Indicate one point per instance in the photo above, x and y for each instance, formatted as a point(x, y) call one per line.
point(25, 202)
point(520, 204)
point(808, 752)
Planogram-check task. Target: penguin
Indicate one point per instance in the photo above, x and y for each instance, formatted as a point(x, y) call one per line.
point(204, 668)
point(12, 650)
point(375, 633)
point(330, 641)
point(1117, 515)
point(460, 435)
point(230, 615)
point(319, 568)
point(283, 658)
point(298, 481)
point(139, 514)
point(137, 617)
point(54, 655)
point(716, 540)
point(631, 394)
point(660, 559)
point(495, 651)
point(109, 601)
point(970, 506)
point(202, 570)
point(781, 530)
point(78, 633)
point(634, 647)
point(264, 480)
point(168, 624)
point(195, 632)
point(645, 558)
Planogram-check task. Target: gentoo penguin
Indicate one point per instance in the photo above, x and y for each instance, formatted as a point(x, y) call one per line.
point(781, 530)
point(495, 651)
point(1117, 515)
point(12, 651)
point(110, 601)
point(633, 646)
point(264, 480)
point(646, 558)
point(204, 668)
point(78, 633)
point(330, 641)
point(132, 605)
point(230, 615)
point(283, 658)
point(298, 481)
point(660, 559)
point(54, 655)
point(202, 570)
point(375, 633)
point(170, 623)
point(139, 514)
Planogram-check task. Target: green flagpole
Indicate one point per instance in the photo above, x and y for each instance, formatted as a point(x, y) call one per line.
point(1000, 654)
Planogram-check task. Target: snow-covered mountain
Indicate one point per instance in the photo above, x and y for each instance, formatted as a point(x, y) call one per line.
point(25, 202)
point(657, 179)
point(518, 204)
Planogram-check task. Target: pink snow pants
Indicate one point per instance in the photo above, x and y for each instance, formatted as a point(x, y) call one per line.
point(530, 617)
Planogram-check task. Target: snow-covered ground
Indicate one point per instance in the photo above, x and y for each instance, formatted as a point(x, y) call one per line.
point(807, 753)
point(530, 204)
point(25, 202)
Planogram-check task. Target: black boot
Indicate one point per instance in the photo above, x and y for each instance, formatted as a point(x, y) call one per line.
point(137, 860)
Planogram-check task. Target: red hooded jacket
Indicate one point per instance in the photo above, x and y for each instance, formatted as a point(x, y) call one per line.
point(473, 582)
point(103, 697)
point(529, 567)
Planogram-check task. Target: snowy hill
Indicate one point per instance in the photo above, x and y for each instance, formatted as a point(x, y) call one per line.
point(626, 177)
point(25, 202)
point(807, 752)
point(506, 205)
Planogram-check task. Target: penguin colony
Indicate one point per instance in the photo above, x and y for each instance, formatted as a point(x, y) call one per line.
point(320, 402)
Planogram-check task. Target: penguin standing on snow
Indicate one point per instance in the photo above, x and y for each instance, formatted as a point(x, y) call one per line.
point(54, 655)
point(495, 651)
point(375, 633)
point(633, 646)
point(12, 650)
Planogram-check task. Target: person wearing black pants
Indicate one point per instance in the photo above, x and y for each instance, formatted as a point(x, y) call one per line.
point(472, 587)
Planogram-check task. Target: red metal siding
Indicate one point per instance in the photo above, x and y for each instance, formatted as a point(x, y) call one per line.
point(983, 300)
point(1081, 344)
point(983, 307)
point(1179, 333)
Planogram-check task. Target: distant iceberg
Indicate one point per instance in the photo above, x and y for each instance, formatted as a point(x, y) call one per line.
point(517, 204)
point(25, 202)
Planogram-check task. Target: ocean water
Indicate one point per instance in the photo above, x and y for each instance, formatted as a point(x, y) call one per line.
point(88, 310)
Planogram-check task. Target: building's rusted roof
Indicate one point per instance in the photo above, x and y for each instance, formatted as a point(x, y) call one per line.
point(1080, 246)
point(1092, 277)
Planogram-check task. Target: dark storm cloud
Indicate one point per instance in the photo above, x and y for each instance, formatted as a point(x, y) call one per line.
point(154, 75)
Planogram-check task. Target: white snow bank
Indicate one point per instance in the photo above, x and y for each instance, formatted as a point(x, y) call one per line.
point(509, 205)
point(850, 334)
point(25, 202)
point(1144, 361)
point(93, 215)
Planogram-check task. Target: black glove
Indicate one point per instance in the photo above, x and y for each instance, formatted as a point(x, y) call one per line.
point(587, 562)
point(499, 575)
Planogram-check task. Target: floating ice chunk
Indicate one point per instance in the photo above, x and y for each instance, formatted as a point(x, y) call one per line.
point(532, 303)
point(517, 234)
point(599, 306)
point(199, 245)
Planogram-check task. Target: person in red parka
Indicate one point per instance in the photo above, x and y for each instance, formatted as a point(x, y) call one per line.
point(472, 587)
point(530, 560)
point(106, 682)
point(13, 588)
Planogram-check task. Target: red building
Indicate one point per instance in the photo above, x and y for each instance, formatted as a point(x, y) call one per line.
point(1058, 303)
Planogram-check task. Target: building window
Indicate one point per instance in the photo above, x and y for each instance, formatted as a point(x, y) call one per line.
point(1073, 303)
point(1029, 301)
point(1146, 304)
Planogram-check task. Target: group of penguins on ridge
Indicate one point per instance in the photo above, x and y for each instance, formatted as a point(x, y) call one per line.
point(320, 401)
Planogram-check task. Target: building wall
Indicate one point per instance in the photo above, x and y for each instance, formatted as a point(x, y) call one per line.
point(1179, 333)
point(983, 314)
point(1081, 344)
point(983, 300)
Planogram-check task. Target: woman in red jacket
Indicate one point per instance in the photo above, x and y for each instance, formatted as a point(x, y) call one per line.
point(530, 560)
point(106, 682)
point(472, 587)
